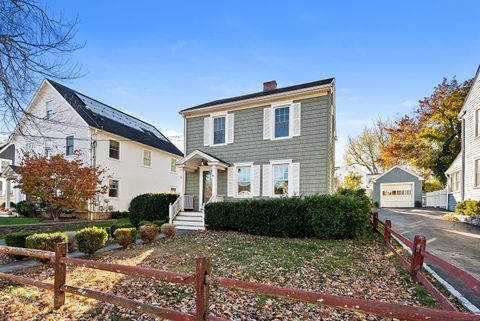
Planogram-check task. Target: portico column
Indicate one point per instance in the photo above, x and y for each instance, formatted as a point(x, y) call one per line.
point(214, 180)
point(182, 180)
point(7, 195)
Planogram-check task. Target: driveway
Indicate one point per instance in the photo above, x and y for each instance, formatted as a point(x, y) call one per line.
point(455, 242)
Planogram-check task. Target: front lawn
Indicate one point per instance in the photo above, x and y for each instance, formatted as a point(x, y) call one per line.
point(18, 220)
point(358, 268)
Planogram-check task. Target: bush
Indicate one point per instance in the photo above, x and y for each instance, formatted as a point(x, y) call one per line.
point(12, 204)
point(45, 241)
point(159, 222)
point(418, 204)
point(148, 232)
point(432, 185)
point(281, 217)
point(120, 214)
point(468, 207)
point(125, 236)
point(91, 239)
point(169, 230)
point(144, 223)
point(344, 215)
point(17, 239)
point(26, 208)
point(150, 207)
point(117, 226)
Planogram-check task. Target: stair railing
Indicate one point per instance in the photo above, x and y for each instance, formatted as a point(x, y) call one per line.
point(175, 208)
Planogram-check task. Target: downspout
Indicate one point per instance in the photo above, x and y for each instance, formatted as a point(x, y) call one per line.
point(93, 157)
point(462, 192)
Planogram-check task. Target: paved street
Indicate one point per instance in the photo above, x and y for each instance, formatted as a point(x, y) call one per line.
point(455, 242)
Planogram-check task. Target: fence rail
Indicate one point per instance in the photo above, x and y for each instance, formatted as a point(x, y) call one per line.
point(202, 280)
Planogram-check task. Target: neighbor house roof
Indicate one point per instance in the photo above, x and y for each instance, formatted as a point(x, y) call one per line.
point(401, 168)
point(475, 79)
point(262, 94)
point(99, 115)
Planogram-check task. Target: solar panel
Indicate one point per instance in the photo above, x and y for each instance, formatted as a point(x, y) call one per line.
point(107, 111)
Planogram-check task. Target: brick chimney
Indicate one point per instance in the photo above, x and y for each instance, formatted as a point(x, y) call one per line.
point(269, 85)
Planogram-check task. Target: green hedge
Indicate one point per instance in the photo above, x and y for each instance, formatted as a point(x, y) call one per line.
point(91, 239)
point(344, 215)
point(17, 239)
point(468, 207)
point(150, 207)
point(117, 226)
point(26, 208)
point(45, 242)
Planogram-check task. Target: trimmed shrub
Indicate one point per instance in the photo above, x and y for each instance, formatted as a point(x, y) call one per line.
point(91, 239)
point(117, 226)
point(120, 214)
point(17, 239)
point(125, 236)
point(150, 207)
point(45, 241)
point(144, 223)
point(26, 208)
point(468, 207)
point(281, 217)
point(343, 215)
point(169, 230)
point(148, 232)
point(159, 222)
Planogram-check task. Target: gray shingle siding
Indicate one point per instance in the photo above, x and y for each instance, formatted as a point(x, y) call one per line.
point(312, 149)
point(397, 175)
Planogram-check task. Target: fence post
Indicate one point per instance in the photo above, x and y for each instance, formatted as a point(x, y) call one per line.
point(386, 234)
point(375, 220)
point(60, 275)
point(202, 288)
point(419, 243)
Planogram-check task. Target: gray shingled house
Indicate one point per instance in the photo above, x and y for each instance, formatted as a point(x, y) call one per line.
point(275, 143)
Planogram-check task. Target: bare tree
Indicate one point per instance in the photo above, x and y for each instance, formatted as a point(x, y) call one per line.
point(364, 150)
point(34, 44)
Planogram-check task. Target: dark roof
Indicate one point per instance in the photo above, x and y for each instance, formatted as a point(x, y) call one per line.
point(262, 94)
point(8, 152)
point(110, 125)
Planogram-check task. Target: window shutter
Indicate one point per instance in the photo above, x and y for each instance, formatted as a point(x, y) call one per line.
point(256, 181)
point(295, 119)
point(231, 181)
point(267, 180)
point(267, 123)
point(294, 179)
point(206, 131)
point(230, 128)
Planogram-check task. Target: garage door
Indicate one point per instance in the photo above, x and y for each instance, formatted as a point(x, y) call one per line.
point(396, 195)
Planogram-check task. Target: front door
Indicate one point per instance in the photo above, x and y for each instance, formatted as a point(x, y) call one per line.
point(206, 186)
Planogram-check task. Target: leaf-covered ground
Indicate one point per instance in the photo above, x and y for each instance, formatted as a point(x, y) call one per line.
point(356, 268)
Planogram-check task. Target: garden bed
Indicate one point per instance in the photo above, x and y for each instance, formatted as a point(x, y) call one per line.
point(358, 268)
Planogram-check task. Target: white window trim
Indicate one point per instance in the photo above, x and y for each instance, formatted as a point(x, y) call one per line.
point(49, 103)
point(452, 181)
point(476, 130)
point(118, 187)
point(28, 150)
point(212, 129)
point(476, 185)
point(70, 135)
point(143, 158)
point(245, 164)
point(290, 129)
point(175, 171)
point(272, 188)
point(108, 150)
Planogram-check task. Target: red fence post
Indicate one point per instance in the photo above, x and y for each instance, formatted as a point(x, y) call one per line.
point(387, 234)
point(419, 243)
point(60, 275)
point(202, 288)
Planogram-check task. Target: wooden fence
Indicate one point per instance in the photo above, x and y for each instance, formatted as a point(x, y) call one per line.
point(202, 279)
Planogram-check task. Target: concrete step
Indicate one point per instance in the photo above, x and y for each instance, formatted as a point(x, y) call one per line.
point(190, 223)
point(187, 227)
point(190, 213)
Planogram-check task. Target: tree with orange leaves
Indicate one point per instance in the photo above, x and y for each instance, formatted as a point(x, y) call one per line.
point(59, 184)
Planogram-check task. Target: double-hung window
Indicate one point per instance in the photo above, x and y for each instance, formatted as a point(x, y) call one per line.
point(4, 164)
point(147, 158)
point(455, 181)
point(173, 165)
point(69, 147)
point(219, 130)
point(477, 173)
point(280, 179)
point(48, 148)
point(49, 109)
point(477, 122)
point(244, 181)
point(29, 147)
point(282, 122)
point(113, 188)
point(114, 149)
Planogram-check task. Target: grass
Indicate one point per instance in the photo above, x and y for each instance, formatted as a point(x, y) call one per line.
point(18, 220)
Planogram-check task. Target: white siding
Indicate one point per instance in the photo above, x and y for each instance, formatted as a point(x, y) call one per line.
point(472, 144)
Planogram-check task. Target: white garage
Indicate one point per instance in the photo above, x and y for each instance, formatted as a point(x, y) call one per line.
point(397, 194)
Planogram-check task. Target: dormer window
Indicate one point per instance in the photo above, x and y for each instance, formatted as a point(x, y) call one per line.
point(49, 109)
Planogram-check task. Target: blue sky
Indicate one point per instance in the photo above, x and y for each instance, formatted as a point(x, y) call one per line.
point(153, 58)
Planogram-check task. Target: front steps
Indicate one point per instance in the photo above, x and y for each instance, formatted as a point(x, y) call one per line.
point(189, 220)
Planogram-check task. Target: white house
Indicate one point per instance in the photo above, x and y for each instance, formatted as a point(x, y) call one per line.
point(138, 157)
point(7, 155)
point(464, 173)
